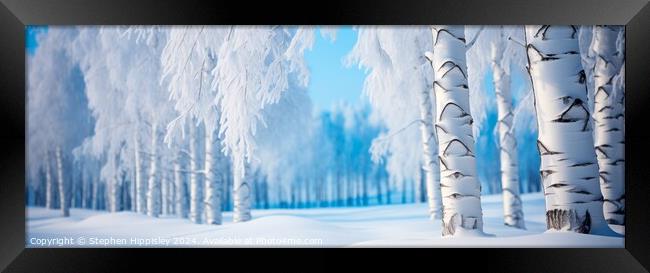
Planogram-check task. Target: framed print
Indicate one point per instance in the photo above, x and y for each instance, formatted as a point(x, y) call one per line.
point(513, 127)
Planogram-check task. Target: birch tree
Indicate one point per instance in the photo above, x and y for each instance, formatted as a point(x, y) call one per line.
point(256, 65)
point(196, 191)
point(98, 57)
point(512, 204)
point(569, 169)
point(430, 160)
point(58, 119)
point(121, 71)
point(152, 107)
point(187, 60)
point(284, 155)
point(154, 185)
point(49, 184)
point(212, 190)
point(459, 185)
point(609, 137)
point(63, 185)
point(238, 71)
point(398, 79)
point(140, 193)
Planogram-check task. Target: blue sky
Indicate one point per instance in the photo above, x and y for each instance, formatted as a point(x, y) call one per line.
point(331, 81)
point(30, 37)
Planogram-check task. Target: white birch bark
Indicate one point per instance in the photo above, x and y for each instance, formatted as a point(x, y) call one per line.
point(72, 193)
point(568, 167)
point(512, 205)
point(172, 192)
point(459, 186)
point(94, 185)
point(241, 193)
point(63, 193)
point(114, 195)
point(132, 196)
point(49, 183)
point(164, 195)
point(84, 190)
point(609, 137)
point(140, 193)
point(153, 192)
point(212, 196)
point(419, 184)
point(430, 164)
point(179, 191)
point(195, 198)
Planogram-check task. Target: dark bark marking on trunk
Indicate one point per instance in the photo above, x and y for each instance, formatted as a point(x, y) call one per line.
point(559, 219)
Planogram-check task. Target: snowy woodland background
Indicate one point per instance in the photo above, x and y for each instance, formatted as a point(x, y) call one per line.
point(212, 131)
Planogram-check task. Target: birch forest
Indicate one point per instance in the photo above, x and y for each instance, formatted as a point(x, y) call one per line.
point(490, 132)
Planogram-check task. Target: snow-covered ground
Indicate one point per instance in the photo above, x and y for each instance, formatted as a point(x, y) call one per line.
point(387, 225)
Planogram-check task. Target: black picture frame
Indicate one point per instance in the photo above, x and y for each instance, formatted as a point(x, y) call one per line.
point(16, 14)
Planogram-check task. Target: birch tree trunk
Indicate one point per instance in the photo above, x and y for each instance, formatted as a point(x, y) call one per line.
point(63, 192)
point(94, 203)
point(460, 188)
point(164, 195)
point(420, 190)
point(389, 191)
point(512, 205)
point(140, 193)
point(609, 121)
point(430, 164)
point(153, 192)
point(241, 193)
point(114, 195)
point(84, 189)
point(179, 192)
point(49, 183)
point(228, 202)
point(173, 192)
point(195, 198)
point(212, 197)
point(404, 192)
point(72, 189)
point(568, 161)
point(132, 196)
point(364, 182)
